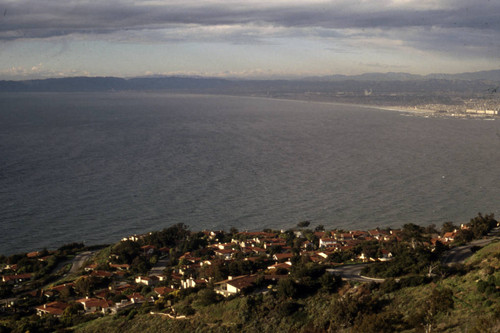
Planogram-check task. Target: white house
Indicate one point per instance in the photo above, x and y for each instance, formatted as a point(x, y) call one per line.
point(233, 286)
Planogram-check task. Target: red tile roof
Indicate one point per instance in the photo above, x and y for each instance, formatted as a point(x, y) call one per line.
point(54, 308)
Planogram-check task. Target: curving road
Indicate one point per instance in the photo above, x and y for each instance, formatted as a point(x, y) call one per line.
point(353, 273)
point(79, 260)
point(460, 253)
point(453, 256)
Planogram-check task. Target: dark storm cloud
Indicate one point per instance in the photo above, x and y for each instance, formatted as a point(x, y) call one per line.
point(252, 21)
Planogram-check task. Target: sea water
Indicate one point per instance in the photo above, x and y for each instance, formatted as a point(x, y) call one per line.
point(95, 167)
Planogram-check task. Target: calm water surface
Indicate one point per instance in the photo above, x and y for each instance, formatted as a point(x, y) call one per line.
point(97, 167)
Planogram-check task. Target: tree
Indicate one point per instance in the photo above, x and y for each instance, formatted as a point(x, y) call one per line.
point(184, 309)
point(378, 323)
point(287, 288)
point(73, 309)
point(431, 229)
point(206, 297)
point(481, 225)
point(85, 285)
point(440, 301)
point(448, 227)
point(126, 251)
point(330, 282)
point(464, 236)
point(303, 224)
point(319, 228)
point(413, 233)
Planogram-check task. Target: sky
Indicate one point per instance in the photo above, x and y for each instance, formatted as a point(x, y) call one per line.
point(246, 38)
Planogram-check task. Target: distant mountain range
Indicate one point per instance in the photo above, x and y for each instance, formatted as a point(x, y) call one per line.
point(383, 81)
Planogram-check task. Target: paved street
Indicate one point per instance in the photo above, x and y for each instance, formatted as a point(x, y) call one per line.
point(460, 253)
point(353, 273)
point(453, 256)
point(79, 260)
point(159, 267)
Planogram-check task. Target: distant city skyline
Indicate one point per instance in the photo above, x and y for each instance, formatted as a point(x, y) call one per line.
point(246, 39)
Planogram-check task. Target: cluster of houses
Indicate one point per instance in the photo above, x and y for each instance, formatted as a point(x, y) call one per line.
point(164, 279)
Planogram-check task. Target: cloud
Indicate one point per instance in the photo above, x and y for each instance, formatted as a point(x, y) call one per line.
point(38, 71)
point(383, 66)
point(438, 26)
point(46, 18)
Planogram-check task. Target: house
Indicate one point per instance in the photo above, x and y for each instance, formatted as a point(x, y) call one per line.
point(256, 235)
point(324, 254)
point(90, 267)
point(136, 298)
point(95, 304)
point(225, 246)
point(189, 258)
point(188, 269)
point(363, 256)
point(103, 293)
point(34, 254)
point(320, 234)
point(274, 242)
point(449, 236)
point(386, 255)
point(207, 263)
point(146, 280)
point(191, 283)
point(133, 238)
point(327, 242)
point(164, 251)
point(214, 234)
point(298, 234)
point(225, 253)
point(18, 278)
point(101, 274)
point(307, 245)
point(284, 265)
point(121, 287)
point(359, 233)
point(162, 291)
point(258, 250)
point(148, 250)
point(58, 289)
point(233, 286)
point(344, 236)
point(53, 308)
point(121, 267)
point(378, 234)
point(281, 257)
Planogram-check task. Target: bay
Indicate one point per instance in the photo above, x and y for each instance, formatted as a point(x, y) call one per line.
point(95, 167)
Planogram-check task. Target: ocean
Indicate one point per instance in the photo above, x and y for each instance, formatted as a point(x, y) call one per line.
point(95, 167)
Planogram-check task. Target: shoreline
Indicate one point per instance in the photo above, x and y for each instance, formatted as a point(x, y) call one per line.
point(409, 110)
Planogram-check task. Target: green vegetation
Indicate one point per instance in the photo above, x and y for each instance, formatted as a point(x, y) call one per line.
point(261, 282)
point(454, 303)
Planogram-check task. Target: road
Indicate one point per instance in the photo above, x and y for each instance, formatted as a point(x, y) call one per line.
point(453, 256)
point(353, 273)
point(79, 260)
point(460, 253)
point(159, 267)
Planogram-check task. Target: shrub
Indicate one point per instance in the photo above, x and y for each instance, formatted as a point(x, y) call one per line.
point(184, 309)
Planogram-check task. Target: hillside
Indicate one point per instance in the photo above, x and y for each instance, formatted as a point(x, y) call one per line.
point(298, 280)
point(466, 299)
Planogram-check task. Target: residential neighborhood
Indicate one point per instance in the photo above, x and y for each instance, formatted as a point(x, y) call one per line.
point(155, 271)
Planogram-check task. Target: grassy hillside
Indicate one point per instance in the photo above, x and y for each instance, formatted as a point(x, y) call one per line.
point(466, 298)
